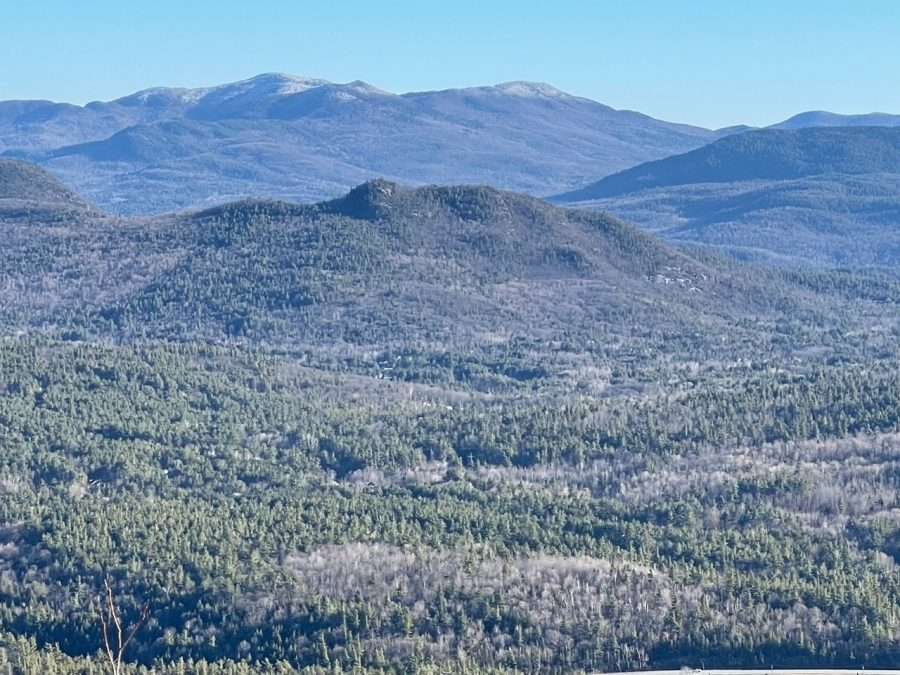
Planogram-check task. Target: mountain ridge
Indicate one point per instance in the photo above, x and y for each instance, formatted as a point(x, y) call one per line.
point(807, 196)
point(305, 139)
point(429, 265)
point(824, 118)
point(766, 154)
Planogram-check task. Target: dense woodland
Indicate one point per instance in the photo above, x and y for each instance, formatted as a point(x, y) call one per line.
point(439, 431)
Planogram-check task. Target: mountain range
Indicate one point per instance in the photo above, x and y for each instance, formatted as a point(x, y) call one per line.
point(818, 187)
point(306, 139)
point(825, 195)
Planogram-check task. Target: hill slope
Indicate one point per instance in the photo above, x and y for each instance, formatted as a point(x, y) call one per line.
point(386, 265)
point(24, 181)
point(305, 139)
point(519, 288)
point(760, 155)
point(816, 195)
point(433, 269)
point(30, 193)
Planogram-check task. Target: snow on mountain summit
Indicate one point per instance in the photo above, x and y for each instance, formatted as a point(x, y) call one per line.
point(530, 89)
point(266, 85)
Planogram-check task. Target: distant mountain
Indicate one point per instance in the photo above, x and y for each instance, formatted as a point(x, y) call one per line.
point(820, 118)
point(759, 155)
point(813, 195)
point(307, 139)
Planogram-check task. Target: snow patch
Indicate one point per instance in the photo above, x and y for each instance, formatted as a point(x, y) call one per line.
point(531, 90)
point(174, 95)
point(296, 85)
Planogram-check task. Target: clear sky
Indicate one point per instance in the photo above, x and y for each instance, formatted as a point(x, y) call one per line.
point(713, 63)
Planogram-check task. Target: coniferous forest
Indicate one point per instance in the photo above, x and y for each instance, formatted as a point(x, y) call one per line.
point(436, 430)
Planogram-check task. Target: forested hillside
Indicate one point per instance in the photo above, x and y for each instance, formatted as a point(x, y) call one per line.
point(807, 196)
point(438, 430)
point(262, 517)
point(768, 154)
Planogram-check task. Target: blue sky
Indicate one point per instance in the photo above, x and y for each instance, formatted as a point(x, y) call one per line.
point(709, 63)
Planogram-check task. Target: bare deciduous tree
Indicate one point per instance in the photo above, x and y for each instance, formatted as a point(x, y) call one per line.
point(115, 636)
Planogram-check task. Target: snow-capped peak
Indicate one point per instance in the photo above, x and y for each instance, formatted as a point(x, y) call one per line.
point(286, 84)
point(269, 84)
point(165, 95)
point(530, 89)
point(265, 85)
